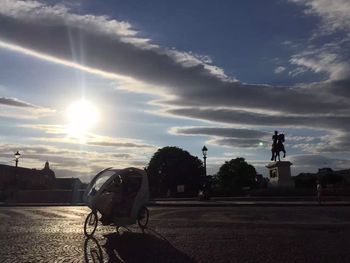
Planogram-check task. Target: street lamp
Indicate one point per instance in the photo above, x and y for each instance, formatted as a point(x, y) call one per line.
point(17, 155)
point(204, 151)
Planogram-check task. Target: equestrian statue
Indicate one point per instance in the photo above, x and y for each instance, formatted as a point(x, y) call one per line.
point(277, 146)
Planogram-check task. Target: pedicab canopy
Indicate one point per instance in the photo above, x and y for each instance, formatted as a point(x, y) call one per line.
point(133, 183)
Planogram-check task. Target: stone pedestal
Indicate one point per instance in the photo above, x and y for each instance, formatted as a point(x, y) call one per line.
point(279, 174)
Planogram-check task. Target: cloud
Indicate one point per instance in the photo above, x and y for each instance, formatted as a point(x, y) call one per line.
point(120, 143)
point(331, 59)
point(236, 142)
point(16, 103)
point(337, 142)
point(223, 132)
point(308, 162)
point(107, 44)
point(228, 137)
point(70, 162)
point(112, 47)
point(47, 128)
point(58, 133)
point(335, 15)
point(228, 116)
point(279, 69)
point(304, 99)
point(19, 109)
point(324, 54)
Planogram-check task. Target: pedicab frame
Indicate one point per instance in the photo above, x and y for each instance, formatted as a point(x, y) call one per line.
point(138, 214)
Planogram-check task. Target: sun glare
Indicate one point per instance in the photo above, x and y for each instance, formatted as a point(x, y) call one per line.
point(82, 115)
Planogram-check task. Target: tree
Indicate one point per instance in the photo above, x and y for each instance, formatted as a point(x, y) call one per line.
point(172, 166)
point(305, 180)
point(330, 178)
point(234, 175)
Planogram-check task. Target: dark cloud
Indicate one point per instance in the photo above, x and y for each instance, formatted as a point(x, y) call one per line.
point(338, 88)
point(223, 132)
point(229, 137)
point(302, 100)
point(229, 116)
point(122, 155)
point(118, 144)
point(337, 127)
point(16, 103)
point(60, 34)
point(236, 142)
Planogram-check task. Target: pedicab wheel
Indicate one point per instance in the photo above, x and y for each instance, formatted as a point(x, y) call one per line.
point(90, 224)
point(142, 217)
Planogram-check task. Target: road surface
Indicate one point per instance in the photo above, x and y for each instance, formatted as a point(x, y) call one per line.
point(175, 234)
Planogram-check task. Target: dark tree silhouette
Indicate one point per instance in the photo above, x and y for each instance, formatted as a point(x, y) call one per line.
point(305, 180)
point(234, 175)
point(172, 166)
point(330, 178)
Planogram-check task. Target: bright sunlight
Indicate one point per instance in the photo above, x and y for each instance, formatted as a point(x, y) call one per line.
point(82, 115)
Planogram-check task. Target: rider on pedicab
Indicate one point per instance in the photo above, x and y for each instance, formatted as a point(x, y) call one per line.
point(115, 200)
point(123, 193)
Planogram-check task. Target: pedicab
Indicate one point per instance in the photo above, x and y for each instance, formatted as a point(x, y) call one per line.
point(120, 196)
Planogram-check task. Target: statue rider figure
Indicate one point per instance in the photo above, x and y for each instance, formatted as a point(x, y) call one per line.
point(277, 146)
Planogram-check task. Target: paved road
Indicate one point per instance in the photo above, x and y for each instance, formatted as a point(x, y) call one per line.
point(192, 234)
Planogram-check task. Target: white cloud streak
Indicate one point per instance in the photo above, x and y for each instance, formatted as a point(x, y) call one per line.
point(279, 69)
point(19, 109)
point(332, 55)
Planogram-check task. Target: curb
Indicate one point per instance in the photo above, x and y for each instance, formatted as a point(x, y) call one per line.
point(41, 204)
point(246, 204)
point(201, 204)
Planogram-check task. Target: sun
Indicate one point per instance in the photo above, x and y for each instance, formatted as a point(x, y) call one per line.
point(82, 115)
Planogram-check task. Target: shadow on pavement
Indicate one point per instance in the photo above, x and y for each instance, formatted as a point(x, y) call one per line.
point(149, 246)
point(92, 250)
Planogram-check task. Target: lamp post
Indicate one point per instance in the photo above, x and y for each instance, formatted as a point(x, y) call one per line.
point(204, 151)
point(17, 156)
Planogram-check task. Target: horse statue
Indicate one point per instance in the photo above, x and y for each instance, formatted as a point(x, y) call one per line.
point(277, 146)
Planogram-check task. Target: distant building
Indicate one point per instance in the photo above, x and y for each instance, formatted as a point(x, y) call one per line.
point(71, 184)
point(326, 176)
point(24, 185)
point(344, 174)
point(68, 183)
point(325, 170)
point(26, 178)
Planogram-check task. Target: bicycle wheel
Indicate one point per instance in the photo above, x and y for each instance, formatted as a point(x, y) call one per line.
point(90, 224)
point(142, 217)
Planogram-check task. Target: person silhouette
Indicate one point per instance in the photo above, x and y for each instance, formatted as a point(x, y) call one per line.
point(274, 144)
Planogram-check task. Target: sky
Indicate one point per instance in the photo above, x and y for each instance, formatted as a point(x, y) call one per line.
point(90, 84)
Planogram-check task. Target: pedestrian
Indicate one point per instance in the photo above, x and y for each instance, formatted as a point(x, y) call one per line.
point(319, 191)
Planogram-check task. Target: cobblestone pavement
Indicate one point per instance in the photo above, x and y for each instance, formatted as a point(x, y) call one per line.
point(297, 234)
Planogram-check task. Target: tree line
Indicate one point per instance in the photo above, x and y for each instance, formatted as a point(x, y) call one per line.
point(171, 167)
